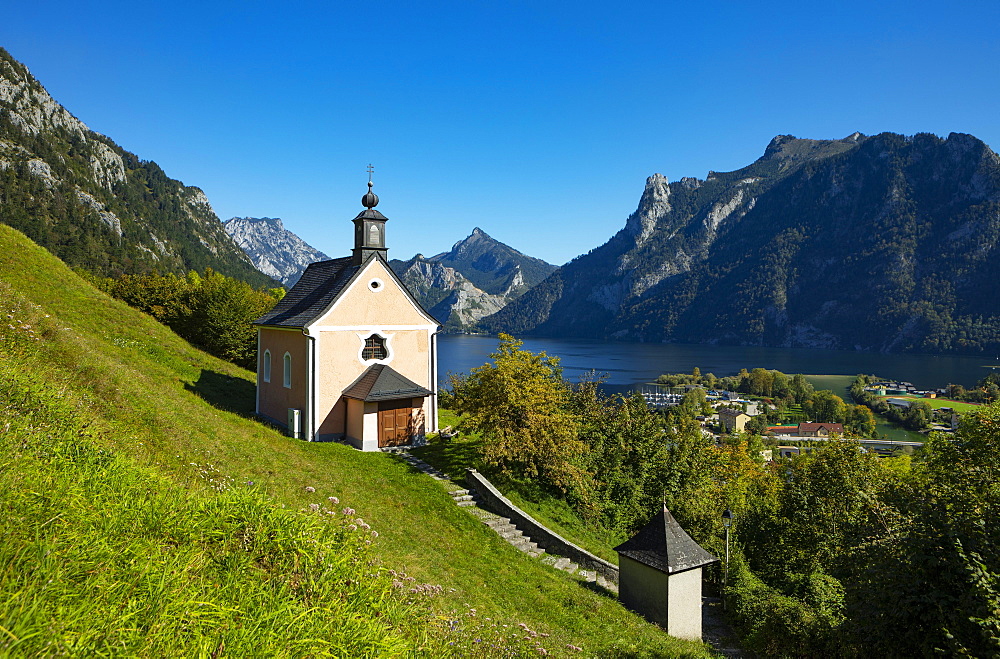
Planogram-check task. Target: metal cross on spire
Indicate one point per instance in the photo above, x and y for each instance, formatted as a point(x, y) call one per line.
point(370, 170)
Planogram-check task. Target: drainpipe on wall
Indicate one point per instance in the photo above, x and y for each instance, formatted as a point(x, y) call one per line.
point(256, 410)
point(310, 386)
point(434, 381)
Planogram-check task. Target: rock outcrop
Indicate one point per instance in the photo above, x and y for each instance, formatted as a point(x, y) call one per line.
point(273, 249)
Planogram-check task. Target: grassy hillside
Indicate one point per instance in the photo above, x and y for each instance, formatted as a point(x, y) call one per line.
point(92, 372)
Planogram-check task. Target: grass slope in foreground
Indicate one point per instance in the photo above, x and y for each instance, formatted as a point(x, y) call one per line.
point(160, 530)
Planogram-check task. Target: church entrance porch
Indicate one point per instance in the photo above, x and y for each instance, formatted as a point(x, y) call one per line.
point(384, 409)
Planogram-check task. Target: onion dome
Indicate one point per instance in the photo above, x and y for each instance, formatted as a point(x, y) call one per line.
point(370, 200)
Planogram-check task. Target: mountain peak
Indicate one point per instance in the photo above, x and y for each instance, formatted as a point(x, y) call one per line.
point(273, 249)
point(789, 147)
point(274, 222)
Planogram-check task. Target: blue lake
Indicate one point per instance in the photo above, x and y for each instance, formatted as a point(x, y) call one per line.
point(630, 364)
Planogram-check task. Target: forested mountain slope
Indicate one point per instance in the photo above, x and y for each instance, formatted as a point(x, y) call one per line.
point(885, 243)
point(92, 203)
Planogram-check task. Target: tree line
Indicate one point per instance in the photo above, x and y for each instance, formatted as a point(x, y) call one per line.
point(211, 310)
point(837, 552)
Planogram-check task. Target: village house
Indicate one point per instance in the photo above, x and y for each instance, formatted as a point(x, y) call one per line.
point(349, 354)
point(820, 429)
point(807, 430)
point(733, 420)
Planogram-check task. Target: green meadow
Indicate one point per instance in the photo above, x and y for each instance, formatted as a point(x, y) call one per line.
point(147, 512)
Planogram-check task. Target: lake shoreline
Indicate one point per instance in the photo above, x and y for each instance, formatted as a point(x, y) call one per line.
point(628, 366)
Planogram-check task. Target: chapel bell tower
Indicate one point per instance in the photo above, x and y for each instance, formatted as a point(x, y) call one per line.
point(369, 227)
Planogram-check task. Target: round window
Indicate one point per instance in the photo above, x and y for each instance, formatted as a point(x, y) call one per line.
point(375, 284)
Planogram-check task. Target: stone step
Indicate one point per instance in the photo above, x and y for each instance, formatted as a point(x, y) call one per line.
point(526, 545)
point(511, 534)
point(563, 563)
point(462, 497)
point(466, 504)
point(497, 521)
point(459, 493)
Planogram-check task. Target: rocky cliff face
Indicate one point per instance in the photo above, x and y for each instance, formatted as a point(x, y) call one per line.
point(446, 293)
point(94, 204)
point(873, 243)
point(273, 249)
point(494, 267)
point(476, 278)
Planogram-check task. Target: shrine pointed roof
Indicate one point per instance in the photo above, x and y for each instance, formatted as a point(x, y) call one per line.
point(663, 545)
point(382, 382)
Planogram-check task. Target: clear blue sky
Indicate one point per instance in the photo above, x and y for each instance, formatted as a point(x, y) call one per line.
point(536, 121)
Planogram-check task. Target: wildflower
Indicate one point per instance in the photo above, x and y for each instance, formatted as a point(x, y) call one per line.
point(314, 507)
point(374, 534)
point(352, 527)
point(348, 511)
point(310, 489)
point(333, 500)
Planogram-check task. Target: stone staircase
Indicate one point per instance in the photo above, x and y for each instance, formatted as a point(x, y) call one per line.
point(501, 525)
point(508, 531)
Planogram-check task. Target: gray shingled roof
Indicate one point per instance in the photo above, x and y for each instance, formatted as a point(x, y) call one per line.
point(381, 382)
point(318, 287)
point(664, 545)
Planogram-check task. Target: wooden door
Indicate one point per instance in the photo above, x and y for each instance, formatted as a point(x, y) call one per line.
point(394, 422)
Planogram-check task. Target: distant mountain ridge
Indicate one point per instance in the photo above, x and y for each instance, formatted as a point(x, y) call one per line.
point(493, 266)
point(273, 249)
point(883, 243)
point(477, 277)
point(92, 203)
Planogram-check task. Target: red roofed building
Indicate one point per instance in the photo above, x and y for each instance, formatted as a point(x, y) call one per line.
point(820, 429)
point(808, 429)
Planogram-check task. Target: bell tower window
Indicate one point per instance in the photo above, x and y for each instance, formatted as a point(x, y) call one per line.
point(369, 228)
point(374, 348)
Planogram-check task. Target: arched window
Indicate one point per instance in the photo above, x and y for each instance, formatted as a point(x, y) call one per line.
point(265, 367)
point(288, 370)
point(374, 348)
